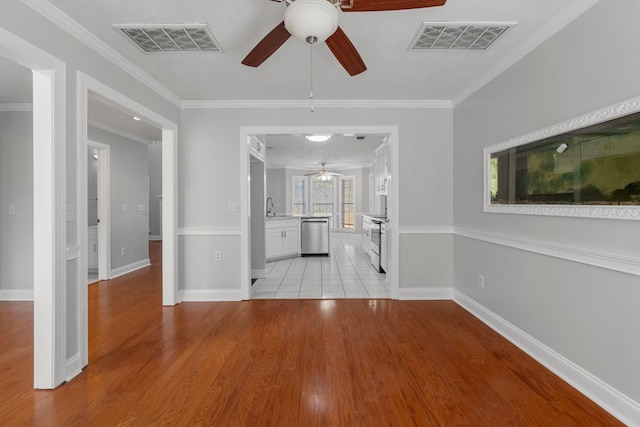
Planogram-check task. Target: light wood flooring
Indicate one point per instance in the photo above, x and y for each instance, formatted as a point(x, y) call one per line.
point(345, 362)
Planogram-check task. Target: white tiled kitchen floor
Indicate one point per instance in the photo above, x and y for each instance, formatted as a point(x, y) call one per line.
point(347, 273)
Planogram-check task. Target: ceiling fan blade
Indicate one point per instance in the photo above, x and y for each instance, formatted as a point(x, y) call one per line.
point(346, 53)
point(267, 46)
point(380, 5)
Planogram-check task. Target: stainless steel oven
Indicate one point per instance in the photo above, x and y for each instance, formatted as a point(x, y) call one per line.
point(371, 239)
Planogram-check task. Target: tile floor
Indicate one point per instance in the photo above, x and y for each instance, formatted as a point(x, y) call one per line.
point(347, 273)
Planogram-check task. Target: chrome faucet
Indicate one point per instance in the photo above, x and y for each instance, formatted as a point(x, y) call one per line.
point(270, 206)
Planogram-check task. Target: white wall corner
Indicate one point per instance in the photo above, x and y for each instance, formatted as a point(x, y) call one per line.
point(426, 294)
point(613, 401)
point(129, 268)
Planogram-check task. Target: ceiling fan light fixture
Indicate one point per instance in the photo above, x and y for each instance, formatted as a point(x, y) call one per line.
point(318, 138)
point(312, 21)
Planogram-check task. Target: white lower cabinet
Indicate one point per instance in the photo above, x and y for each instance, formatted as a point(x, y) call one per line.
point(283, 239)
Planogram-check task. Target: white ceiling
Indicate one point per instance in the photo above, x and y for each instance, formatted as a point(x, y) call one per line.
point(382, 38)
point(340, 152)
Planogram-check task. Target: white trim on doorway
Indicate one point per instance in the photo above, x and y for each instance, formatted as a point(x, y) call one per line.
point(49, 139)
point(104, 208)
point(392, 198)
point(170, 295)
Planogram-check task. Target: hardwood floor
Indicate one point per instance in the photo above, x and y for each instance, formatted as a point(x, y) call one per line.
point(283, 363)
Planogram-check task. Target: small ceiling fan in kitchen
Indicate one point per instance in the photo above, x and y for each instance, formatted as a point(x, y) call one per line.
point(316, 21)
point(323, 174)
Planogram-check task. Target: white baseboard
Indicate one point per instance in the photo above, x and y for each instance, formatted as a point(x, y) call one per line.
point(425, 294)
point(73, 367)
point(155, 238)
point(613, 401)
point(16, 294)
point(258, 274)
point(125, 269)
point(211, 295)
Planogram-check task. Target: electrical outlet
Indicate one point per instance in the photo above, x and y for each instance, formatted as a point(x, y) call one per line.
point(218, 256)
point(124, 251)
point(481, 281)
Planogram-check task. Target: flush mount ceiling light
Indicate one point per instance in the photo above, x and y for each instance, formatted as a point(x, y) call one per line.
point(311, 21)
point(136, 118)
point(318, 138)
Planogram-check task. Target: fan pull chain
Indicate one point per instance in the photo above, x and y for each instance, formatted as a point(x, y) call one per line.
point(311, 73)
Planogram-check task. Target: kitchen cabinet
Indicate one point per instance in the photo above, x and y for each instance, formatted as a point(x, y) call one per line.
point(384, 247)
point(256, 148)
point(381, 170)
point(282, 238)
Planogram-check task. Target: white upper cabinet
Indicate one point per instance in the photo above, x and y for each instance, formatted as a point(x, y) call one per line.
point(381, 170)
point(256, 147)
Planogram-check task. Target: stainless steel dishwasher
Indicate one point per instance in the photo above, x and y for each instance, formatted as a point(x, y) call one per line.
point(314, 235)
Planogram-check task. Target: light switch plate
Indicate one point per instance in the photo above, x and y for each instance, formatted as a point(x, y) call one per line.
point(232, 207)
point(12, 209)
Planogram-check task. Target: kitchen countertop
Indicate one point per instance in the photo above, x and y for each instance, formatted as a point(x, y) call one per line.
point(375, 217)
point(281, 217)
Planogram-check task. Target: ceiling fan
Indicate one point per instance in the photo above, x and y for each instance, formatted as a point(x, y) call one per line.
point(323, 174)
point(316, 21)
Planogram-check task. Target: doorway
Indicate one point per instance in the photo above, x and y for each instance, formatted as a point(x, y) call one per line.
point(87, 86)
point(392, 206)
point(98, 212)
point(49, 254)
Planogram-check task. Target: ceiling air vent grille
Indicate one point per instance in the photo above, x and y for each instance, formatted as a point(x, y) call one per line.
point(458, 36)
point(156, 38)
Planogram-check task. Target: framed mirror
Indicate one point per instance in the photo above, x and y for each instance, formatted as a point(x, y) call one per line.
point(585, 167)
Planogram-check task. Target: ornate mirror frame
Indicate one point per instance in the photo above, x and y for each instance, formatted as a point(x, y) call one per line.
point(569, 210)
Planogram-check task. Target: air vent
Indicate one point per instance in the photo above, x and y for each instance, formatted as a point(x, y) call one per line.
point(458, 36)
point(157, 38)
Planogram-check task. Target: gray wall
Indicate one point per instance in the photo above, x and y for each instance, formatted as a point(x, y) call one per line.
point(92, 189)
point(129, 185)
point(16, 188)
point(155, 189)
point(209, 178)
point(277, 190)
point(587, 314)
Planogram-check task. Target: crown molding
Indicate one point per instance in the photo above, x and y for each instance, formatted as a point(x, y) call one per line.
point(326, 103)
point(26, 106)
point(66, 23)
point(545, 32)
point(118, 132)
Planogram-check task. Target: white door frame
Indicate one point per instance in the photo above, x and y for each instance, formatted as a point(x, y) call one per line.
point(392, 198)
point(50, 255)
point(170, 294)
point(104, 209)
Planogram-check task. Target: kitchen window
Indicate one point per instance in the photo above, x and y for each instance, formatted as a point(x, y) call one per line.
point(322, 197)
point(334, 197)
point(299, 195)
point(348, 201)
